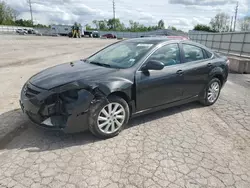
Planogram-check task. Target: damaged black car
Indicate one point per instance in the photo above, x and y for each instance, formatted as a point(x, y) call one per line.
point(128, 78)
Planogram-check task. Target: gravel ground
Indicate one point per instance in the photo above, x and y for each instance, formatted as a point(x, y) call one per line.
point(186, 146)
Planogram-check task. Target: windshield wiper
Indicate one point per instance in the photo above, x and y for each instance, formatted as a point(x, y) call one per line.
point(100, 64)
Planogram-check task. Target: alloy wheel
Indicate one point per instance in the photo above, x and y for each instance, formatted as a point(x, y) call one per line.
point(213, 92)
point(111, 118)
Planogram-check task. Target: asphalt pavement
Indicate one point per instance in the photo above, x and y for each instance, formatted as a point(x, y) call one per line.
point(186, 146)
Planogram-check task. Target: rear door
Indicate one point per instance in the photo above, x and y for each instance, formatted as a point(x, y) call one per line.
point(197, 65)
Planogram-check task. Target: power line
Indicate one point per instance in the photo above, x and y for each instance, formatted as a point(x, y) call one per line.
point(236, 12)
point(114, 12)
point(31, 14)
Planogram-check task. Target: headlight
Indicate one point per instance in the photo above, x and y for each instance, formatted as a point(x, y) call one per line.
point(51, 99)
point(70, 92)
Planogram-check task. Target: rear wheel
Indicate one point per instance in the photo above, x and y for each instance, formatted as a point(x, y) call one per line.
point(212, 92)
point(109, 118)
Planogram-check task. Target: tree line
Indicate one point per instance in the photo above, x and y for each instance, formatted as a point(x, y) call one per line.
point(222, 23)
point(117, 25)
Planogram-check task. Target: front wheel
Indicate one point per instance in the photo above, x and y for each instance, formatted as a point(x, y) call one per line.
point(212, 92)
point(109, 118)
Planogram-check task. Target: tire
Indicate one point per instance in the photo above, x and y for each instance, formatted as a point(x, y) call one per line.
point(96, 113)
point(205, 96)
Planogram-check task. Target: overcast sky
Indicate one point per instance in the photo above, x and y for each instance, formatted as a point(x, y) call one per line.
point(183, 14)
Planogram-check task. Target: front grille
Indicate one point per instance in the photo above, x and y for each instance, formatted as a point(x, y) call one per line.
point(30, 92)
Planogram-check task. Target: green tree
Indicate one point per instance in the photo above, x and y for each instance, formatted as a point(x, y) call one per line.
point(41, 26)
point(201, 27)
point(119, 26)
point(220, 23)
point(24, 23)
point(103, 25)
point(245, 24)
point(161, 24)
point(7, 14)
point(28, 23)
point(134, 26)
point(172, 28)
point(88, 27)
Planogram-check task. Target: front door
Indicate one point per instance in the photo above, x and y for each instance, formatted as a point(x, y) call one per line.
point(158, 87)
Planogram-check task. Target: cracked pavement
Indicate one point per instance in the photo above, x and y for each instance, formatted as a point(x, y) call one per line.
point(187, 146)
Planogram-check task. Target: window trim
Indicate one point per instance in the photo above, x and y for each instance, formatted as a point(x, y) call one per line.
point(155, 49)
point(205, 53)
point(210, 53)
point(183, 55)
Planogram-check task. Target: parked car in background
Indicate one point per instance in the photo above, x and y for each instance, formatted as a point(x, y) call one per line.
point(32, 31)
point(126, 79)
point(87, 33)
point(109, 36)
point(22, 31)
point(95, 34)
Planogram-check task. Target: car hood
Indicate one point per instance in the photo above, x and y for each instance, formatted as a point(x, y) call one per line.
point(69, 72)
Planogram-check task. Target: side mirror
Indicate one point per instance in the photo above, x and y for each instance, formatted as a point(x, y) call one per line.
point(153, 65)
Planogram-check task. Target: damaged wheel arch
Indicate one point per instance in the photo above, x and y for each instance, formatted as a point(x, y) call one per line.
point(79, 98)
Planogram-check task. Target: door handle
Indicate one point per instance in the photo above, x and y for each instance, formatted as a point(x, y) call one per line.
point(179, 72)
point(209, 64)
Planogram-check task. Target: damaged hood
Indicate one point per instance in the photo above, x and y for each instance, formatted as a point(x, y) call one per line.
point(69, 72)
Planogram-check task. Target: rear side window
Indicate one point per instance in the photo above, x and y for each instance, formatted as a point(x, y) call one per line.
point(192, 53)
point(209, 55)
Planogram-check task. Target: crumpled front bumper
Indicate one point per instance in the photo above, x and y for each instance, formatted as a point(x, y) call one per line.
point(56, 114)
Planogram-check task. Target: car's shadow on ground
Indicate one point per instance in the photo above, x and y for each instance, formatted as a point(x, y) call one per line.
point(12, 124)
point(34, 139)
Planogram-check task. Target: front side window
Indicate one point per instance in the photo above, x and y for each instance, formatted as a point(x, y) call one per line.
point(121, 55)
point(192, 53)
point(168, 55)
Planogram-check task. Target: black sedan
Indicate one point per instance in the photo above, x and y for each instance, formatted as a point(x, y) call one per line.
point(129, 78)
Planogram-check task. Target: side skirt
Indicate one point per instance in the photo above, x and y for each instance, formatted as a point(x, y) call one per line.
point(164, 106)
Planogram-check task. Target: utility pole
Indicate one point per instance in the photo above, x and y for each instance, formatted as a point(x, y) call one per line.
point(231, 25)
point(236, 12)
point(114, 13)
point(31, 15)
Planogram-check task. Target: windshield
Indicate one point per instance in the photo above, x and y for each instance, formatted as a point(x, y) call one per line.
point(120, 55)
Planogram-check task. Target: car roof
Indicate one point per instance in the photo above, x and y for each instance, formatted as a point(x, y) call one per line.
point(153, 40)
point(165, 39)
